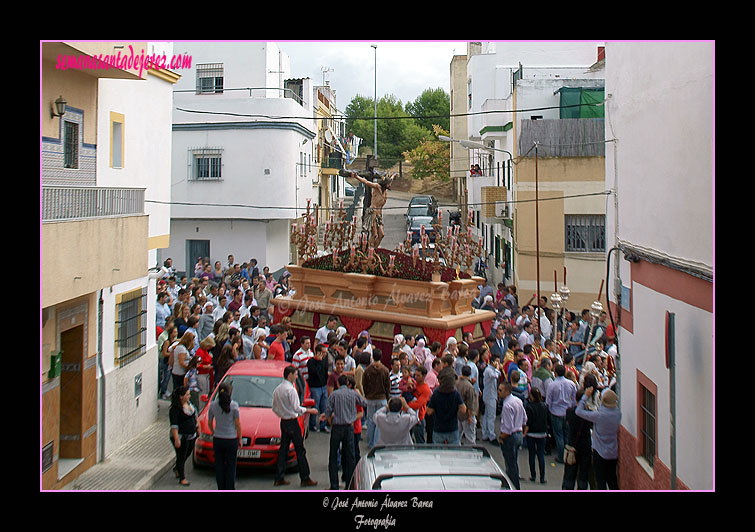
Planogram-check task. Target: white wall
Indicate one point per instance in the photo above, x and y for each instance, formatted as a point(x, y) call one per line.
point(660, 109)
point(695, 375)
point(146, 105)
point(247, 155)
point(126, 415)
point(244, 239)
point(245, 64)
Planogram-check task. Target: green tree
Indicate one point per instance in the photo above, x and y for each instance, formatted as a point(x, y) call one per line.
point(431, 158)
point(397, 130)
point(433, 103)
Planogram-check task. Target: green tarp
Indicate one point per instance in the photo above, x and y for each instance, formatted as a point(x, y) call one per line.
point(572, 97)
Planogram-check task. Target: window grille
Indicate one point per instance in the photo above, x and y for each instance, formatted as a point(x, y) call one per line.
point(648, 413)
point(210, 78)
point(206, 164)
point(585, 233)
point(130, 326)
point(71, 147)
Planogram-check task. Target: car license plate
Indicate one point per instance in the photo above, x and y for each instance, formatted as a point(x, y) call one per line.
point(248, 453)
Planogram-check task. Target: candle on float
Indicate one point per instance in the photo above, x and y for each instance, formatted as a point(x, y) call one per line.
point(392, 260)
point(340, 204)
point(353, 251)
point(415, 251)
point(448, 233)
point(440, 217)
point(371, 253)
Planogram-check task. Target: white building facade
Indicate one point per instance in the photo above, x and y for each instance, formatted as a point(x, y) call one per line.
point(242, 151)
point(660, 168)
point(503, 77)
point(134, 131)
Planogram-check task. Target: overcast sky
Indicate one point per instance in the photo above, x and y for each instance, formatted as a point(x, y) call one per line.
point(404, 69)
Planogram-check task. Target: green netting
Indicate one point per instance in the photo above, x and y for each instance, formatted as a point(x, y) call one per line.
point(591, 96)
point(570, 97)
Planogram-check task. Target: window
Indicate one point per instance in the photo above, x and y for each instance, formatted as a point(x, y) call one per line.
point(207, 164)
point(647, 424)
point(130, 326)
point(585, 233)
point(71, 145)
point(116, 140)
point(210, 78)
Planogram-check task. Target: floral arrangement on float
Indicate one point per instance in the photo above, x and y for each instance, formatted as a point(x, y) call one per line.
point(449, 259)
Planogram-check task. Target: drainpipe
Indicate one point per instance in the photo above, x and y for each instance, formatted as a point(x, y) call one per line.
point(101, 392)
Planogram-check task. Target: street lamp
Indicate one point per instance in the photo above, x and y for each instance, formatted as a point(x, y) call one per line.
point(375, 149)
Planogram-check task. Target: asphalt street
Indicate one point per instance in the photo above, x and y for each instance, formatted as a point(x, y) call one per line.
point(318, 448)
point(317, 444)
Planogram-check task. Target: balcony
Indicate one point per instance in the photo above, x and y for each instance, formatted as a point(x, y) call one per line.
point(333, 161)
point(91, 238)
point(80, 203)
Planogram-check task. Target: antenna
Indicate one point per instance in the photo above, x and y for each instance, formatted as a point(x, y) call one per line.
point(324, 71)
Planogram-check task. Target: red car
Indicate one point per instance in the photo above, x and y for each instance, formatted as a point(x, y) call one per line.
point(254, 382)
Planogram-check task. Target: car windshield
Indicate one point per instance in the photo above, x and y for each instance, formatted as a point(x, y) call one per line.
point(253, 390)
point(417, 223)
point(417, 210)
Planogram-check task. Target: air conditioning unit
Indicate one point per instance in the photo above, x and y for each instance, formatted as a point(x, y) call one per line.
point(504, 209)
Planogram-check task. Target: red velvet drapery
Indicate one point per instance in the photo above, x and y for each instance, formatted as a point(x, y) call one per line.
point(437, 335)
point(279, 314)
point(355, 325)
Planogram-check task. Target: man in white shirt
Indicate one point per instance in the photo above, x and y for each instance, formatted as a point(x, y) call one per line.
point(262, 325)
point(221, 309)
point(247, 337)
point(526, 336)
point(173, 289)
point(287, 407)
point(395, 422)
point(321, 337)
point(162, 310)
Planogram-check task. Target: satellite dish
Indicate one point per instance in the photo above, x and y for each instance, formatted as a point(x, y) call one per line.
point(328, 135)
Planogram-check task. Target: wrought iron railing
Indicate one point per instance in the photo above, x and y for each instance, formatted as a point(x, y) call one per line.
point(74, 203)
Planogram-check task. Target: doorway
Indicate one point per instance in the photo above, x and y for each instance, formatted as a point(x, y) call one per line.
point(71, 400)
point(194, 249)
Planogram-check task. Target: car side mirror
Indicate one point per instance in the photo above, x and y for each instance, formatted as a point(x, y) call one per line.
point(204, 397)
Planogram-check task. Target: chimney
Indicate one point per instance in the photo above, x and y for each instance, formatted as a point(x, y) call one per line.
point(601, 52)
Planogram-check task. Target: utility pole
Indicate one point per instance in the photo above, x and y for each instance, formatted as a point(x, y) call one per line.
point(537, 234)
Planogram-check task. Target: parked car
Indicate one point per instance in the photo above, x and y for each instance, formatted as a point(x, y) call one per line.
point(416, 228)
point(426, 200)
point(419, 211)
point(253, 384)
point(429, 468)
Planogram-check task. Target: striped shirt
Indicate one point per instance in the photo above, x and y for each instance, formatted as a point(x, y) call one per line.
point(395, 379)
point(342, 405)
point(300, 361)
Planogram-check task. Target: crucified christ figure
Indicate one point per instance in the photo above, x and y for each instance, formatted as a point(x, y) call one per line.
point(373, 220)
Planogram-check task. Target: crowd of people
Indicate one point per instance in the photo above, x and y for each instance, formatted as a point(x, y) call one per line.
point(548, 378)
